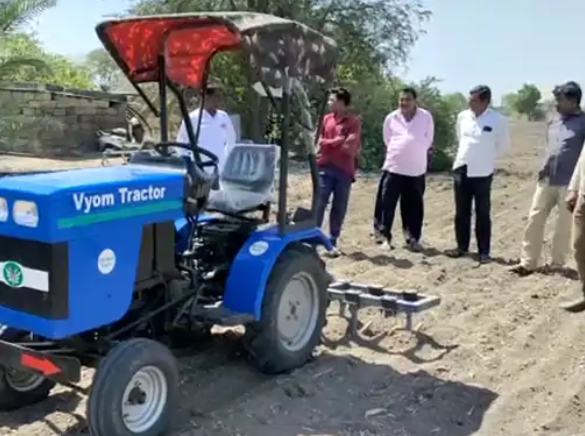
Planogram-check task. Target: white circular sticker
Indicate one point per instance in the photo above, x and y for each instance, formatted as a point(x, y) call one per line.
point(106, 261)
point(258, 248)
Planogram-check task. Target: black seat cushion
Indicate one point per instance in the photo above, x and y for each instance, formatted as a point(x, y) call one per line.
point(250, 167)
point(247, 179)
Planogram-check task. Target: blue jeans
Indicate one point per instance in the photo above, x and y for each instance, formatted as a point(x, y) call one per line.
point(333, 183)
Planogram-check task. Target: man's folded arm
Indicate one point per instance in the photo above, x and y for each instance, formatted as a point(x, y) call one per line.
point(352, 140)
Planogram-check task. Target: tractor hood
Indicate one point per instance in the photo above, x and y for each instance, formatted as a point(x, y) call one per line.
point(57, 206)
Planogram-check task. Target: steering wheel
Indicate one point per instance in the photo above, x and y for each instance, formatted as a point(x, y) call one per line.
point(212, 159)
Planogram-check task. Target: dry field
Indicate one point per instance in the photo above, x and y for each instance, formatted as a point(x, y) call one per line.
point(497, 358)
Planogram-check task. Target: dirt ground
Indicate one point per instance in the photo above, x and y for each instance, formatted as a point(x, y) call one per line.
point(496, 358)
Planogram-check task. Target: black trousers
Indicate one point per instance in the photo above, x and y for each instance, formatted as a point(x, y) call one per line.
point(470, 191)
point(410, 191)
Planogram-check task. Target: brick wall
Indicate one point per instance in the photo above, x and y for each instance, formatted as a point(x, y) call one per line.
point(56, 121)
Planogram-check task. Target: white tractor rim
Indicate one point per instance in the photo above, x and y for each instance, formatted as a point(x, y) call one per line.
point(298, 312)
point(23, 380)
point(144, 400)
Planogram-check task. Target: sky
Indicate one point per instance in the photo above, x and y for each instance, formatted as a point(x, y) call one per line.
point(501, 43)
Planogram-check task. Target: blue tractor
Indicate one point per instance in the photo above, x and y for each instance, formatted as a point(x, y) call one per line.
point(106, 267)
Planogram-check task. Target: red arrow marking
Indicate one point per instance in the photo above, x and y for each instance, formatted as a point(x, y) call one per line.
point(41, 364)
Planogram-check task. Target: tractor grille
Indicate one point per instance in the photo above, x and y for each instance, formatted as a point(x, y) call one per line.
point(34, 277)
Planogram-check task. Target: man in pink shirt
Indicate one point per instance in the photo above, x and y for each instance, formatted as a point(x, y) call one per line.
point(408, 136)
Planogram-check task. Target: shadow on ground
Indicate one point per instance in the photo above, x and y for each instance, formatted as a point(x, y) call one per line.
point(380, 259)
point(62, 402)
point(334, 395)
point(363, 335)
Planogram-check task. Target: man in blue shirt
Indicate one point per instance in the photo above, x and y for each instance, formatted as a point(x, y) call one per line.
point(565, 138)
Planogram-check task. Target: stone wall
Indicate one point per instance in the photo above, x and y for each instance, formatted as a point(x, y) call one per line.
point(56, 121)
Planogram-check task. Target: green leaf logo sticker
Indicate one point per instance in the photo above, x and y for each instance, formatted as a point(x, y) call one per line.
point(12, 273)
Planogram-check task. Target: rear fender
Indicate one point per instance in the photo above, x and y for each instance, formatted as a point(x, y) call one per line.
point(246, 282)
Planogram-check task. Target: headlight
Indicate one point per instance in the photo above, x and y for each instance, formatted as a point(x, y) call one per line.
point(3, 210)
point(25, 213)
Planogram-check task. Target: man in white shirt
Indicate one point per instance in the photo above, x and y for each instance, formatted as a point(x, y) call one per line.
point(216, 132)
point(482, 135)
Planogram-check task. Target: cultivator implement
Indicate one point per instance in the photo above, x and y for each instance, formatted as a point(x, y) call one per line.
point(355, 296)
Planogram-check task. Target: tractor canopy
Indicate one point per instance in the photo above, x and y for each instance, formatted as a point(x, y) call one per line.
point(275, 47)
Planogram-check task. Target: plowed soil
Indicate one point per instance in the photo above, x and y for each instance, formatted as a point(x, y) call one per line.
point(496, 358)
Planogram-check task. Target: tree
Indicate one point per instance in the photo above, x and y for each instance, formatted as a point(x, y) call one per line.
point(509, 103)
point(13, 15)
point(456, 100)
point(41, 66)
point(104, 71)
point(526, 102)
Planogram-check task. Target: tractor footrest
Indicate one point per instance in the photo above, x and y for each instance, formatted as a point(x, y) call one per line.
point(63, 369)
point(389, 300)
point(221, 315)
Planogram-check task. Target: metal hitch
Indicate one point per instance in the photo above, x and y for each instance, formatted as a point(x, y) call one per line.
point(356, 296)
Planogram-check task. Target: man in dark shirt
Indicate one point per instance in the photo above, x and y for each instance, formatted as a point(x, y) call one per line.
point(339, 145)
point(565, 138)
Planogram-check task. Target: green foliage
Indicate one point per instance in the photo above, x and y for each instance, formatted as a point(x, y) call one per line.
point(105, 72)
point(444, 110)
point(14, 14)
point(456, 100)
point(526, 102)
point(24, 60)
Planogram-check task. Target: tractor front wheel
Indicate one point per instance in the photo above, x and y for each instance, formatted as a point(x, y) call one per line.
point(293, 312)
point(135, 390)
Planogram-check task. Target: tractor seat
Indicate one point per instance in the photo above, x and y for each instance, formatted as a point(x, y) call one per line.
point(246, 182)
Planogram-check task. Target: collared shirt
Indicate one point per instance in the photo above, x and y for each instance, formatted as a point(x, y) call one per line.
point(408, 142)
point(340, 142)
point(216, 134)
point(481, 140)
point(565, 138)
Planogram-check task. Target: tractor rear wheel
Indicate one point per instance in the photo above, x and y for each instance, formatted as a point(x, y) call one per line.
point(135, 390)
point(293, 312)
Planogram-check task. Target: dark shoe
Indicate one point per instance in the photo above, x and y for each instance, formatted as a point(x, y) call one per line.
point(483, 259)
point(575, 305)
point(378, 237)
point(521, 270)
point(456, 253)
point(415, 246)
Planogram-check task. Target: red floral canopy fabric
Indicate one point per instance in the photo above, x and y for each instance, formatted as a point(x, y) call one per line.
point(274, 46)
